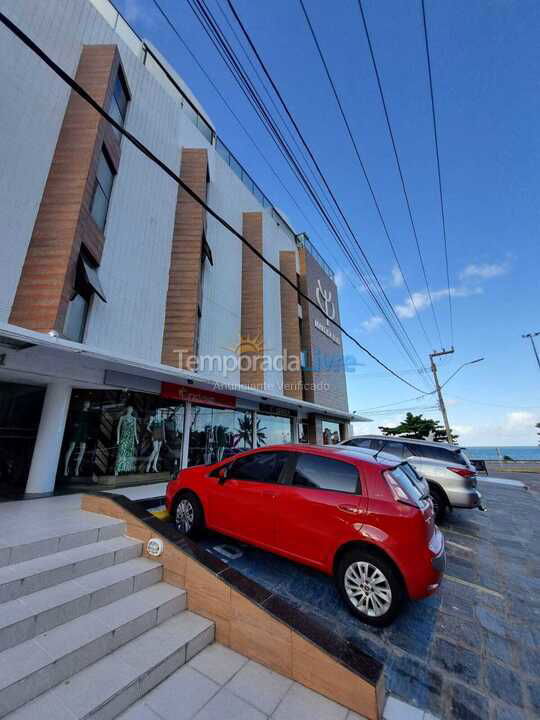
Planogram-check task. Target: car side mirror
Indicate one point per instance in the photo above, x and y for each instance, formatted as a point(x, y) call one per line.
point(223, 473)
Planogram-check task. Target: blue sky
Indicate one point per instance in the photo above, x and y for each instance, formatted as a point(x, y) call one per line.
point(486, 70)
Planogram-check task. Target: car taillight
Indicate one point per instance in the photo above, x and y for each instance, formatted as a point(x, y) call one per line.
point(398, 492)
point(464, 472)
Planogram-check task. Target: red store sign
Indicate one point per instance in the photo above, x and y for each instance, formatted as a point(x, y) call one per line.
point(196, 396)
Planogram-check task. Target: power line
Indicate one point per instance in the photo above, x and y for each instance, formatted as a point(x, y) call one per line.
point(370, 186)
point(396, 155)
point(316, 165)
point(246, 131)
point(209, 24)
point(435, 134)
point(150, 155)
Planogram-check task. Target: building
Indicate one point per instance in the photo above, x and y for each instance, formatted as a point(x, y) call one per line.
point(137, 335)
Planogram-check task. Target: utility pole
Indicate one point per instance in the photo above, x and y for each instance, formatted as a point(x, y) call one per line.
point(531, 337)
point(439, 391)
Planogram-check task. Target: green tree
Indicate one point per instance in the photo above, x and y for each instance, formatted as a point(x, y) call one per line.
point(538, 426)
point(419, 428)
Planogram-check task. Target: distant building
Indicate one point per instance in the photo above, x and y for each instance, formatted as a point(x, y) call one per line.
point(137, 335)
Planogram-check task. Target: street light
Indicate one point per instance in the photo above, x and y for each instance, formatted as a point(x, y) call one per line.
point(438, 388)
point(471, 362)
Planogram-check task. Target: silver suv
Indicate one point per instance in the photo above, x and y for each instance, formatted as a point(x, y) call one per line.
point(449, 472)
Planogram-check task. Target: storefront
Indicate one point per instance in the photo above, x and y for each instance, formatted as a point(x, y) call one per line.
point(71, 420)
point(119, 437)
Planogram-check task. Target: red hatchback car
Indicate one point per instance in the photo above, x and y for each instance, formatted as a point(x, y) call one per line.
point(354, 514)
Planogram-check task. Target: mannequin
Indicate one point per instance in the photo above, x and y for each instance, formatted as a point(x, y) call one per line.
point(80, 437)
point(126, 438)
point(156, 430)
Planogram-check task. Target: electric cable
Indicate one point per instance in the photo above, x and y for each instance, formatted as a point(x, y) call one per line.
point(26, 40)
point(227, 54)
point(437, 156)
point(396, 156)
point(363, 167)
point(368, 285)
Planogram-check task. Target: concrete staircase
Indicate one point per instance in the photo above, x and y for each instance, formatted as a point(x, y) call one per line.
point(87, 626)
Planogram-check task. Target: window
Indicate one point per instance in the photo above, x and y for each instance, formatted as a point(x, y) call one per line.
point(264, 467)
point(86, 284)
point(440, 453)
point(217, 434)
point(119, 100)
point(331, 432)
point(273, 430)
point(318, 472)
point(102, 189)
point(358, 442)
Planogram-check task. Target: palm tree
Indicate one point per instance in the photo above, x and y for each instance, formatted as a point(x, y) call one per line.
point(244, 434)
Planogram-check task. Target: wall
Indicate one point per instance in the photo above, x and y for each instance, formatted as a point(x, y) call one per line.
point(326, 355)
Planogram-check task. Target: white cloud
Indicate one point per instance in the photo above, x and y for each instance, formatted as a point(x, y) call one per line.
point(515, 428)
point(420, 300)
point(397, 277)
point(372, 323)
point(339, 279)
point(483, 271)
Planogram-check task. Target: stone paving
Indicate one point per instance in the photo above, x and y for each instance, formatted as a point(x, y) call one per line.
point(472, 651)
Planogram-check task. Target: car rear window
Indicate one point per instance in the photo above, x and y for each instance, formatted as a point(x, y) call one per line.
point(440, 453)
point(322, 473)
point(406, 483)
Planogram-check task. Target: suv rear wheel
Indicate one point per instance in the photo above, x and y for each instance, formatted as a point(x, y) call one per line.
point(370, 585)
point(188, 514)
point(440, 503)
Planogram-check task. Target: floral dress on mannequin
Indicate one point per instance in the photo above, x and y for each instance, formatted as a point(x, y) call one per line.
point(125, 456)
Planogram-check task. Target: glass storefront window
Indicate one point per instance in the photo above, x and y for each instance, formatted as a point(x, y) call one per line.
point(331, 432)
point(303, 436)
point(20, 412)
point(217, 434)
point(113, 437)
point(273, 430)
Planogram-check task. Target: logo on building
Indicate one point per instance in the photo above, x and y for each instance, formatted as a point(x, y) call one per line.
point(324, 298)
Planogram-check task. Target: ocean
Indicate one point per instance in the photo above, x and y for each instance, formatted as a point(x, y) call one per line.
point(516, 452)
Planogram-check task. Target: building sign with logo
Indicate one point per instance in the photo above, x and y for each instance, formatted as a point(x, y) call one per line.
point(327, 305)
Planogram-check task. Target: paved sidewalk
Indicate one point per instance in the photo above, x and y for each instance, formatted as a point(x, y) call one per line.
point(220, 684)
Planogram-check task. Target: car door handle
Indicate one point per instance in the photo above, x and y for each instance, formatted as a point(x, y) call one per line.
point(351, 509)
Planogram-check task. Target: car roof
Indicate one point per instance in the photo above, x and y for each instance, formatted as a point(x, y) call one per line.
point(338, 451)
point(399, 438)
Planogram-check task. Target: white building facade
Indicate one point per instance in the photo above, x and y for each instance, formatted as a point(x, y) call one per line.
point(137, 335)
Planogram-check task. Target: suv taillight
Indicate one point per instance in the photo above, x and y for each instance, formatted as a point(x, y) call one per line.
point(464, 472)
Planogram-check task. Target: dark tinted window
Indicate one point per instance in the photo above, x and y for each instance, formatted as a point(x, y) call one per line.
point(439, 453)
point(391, 447)
point(315, 471)
point(358, 442)
point(263, 467)
point(102, 189)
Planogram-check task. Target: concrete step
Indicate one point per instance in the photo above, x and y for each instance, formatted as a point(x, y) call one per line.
point(28, 577)
point(37, 665)
point(110, 685)
point(31, 615)
point(46, 539)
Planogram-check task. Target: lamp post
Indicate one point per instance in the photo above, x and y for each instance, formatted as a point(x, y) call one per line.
point(531, 337)
point(439, 387)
